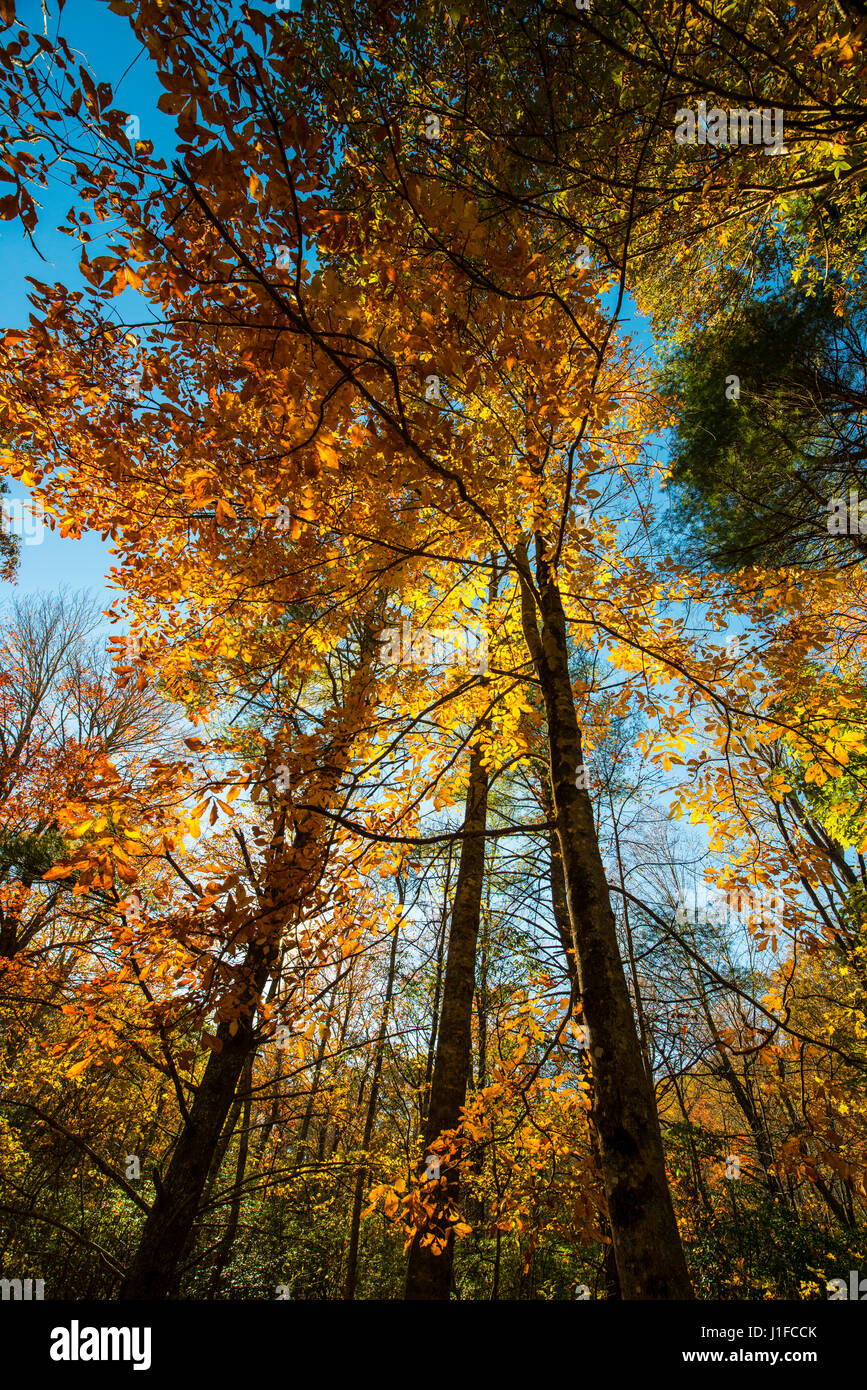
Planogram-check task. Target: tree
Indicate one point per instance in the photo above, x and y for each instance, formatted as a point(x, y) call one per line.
point(431, 1254)
point(372, 370)
point(768, 442)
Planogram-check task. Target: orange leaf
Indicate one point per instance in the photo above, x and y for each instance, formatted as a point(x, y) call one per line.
point(59, 872)
point(328, 456)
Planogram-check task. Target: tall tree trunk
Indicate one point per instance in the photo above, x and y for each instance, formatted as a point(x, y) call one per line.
point(438, 985)
point(222, 1149)
point(288, 876)
point(168, 1226)
point(429, 1274)
point(361, 1176)
point(563, 923)
point(231, 1230)
point(647, 1248)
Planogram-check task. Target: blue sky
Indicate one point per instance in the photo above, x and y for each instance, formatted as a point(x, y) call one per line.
point(104, 43)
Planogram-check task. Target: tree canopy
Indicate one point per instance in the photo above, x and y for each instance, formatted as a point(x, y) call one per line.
point(440, 872)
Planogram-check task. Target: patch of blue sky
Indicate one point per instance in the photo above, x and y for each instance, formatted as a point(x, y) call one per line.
point(105, 45)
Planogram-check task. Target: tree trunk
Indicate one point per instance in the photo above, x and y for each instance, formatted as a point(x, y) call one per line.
point(288, 876)
point(647, 1248)
point(363, 1170)
point(438, 985)
point(563, 923)
point(231, 1230)
point(169, 1224)
point(429, 1274)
